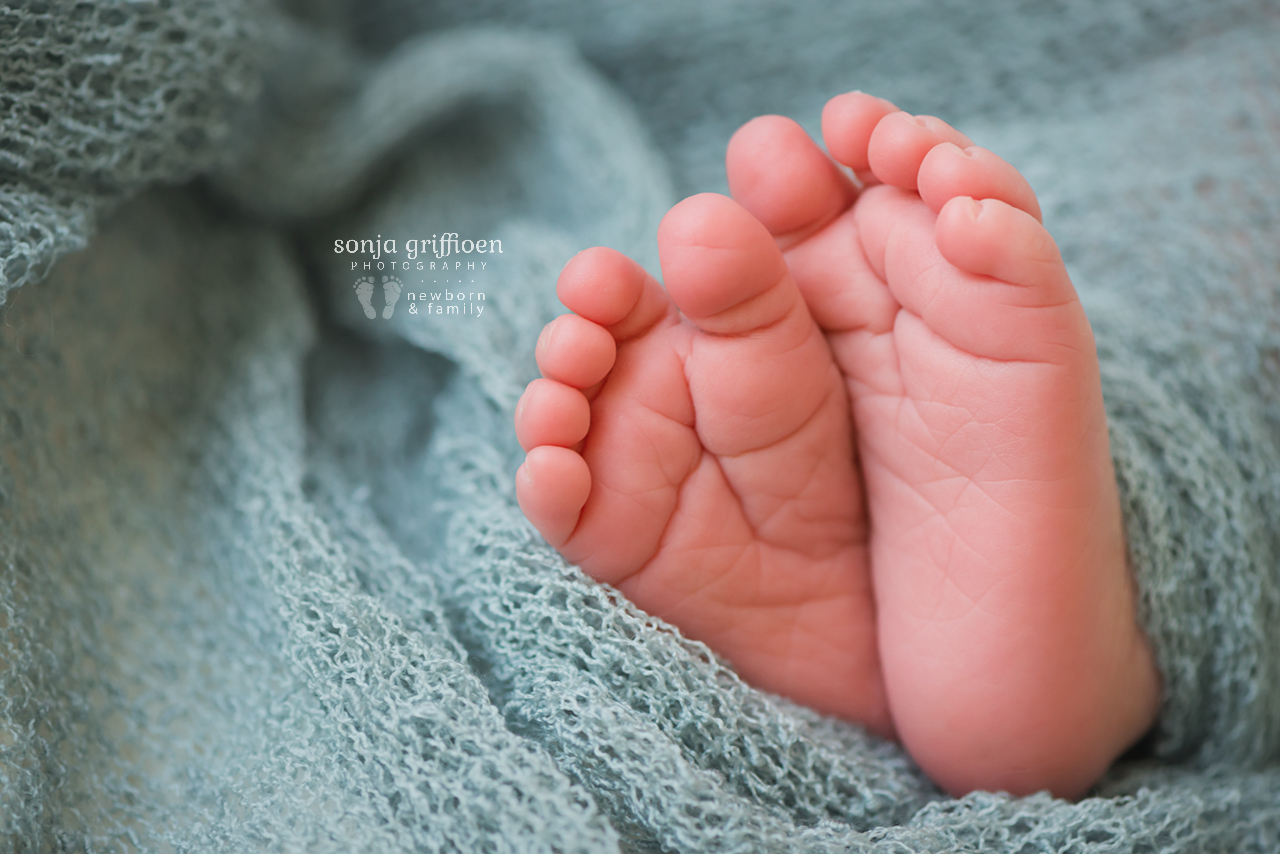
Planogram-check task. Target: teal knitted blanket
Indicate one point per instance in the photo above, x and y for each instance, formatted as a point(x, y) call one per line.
point(271, 282)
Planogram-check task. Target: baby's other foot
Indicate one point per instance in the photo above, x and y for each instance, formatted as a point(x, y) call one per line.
point(695, 451)
point(1008, 639)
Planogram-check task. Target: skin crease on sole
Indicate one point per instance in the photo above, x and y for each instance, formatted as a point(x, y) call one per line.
point(857, 446)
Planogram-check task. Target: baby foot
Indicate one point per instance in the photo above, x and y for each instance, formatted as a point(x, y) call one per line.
point(696, 453)
point(364, 293)
point(1011, 654)
point(390, 294)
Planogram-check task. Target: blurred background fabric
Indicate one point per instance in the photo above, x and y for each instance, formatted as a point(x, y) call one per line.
point(263, 582)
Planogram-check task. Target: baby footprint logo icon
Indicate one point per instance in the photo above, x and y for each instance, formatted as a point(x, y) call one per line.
point(391, 287)
point(364, 293)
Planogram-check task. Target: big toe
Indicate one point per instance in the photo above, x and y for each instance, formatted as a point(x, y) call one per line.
point(722, 268)
point(784, 180)
point(761, 366)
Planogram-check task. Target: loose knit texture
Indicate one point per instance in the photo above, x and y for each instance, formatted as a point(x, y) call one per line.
point(101, 99)
point(264, 584)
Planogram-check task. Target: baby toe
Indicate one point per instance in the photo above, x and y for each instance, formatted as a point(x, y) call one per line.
point(574, 351)
point(848, 121)
point(609, 289)
point(993, 238)
point(552, 486)
point(722, 268)
point(949, 171)
point(783, 179)
point(900, 142)
point(550, 413)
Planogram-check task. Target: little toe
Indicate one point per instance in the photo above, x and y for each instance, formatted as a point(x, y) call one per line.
point(784, 180)
point(552, 486)
point(993, 238)
point(574, 351)
point(550, 413)
point(722, 267)
point(949, 171)
point(848, 121)
point(900, 142)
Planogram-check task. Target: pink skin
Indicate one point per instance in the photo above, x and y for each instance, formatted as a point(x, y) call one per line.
point(859, 450)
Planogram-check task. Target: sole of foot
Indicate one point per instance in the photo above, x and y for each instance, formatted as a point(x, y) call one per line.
point(1011, 653)
point(692, 446)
